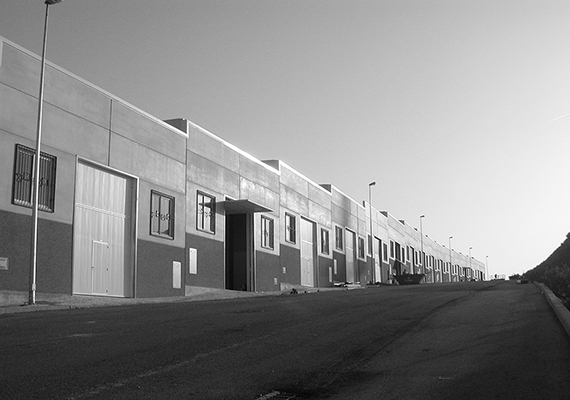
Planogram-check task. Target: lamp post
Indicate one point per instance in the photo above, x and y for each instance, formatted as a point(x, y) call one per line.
point(487, 267)
point(450, 262)
point(470, 267)
point(36, 165)
point(422, 243)
point(373, 266)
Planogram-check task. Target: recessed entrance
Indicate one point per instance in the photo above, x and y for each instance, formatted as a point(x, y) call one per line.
point(238, 253)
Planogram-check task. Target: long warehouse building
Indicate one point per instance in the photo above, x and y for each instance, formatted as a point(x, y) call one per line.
point(132, 206)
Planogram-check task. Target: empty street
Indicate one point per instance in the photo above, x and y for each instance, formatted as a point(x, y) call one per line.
point(447, 341)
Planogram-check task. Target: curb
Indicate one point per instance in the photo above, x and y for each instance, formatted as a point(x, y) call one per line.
point(561, 312)
point(30, 309)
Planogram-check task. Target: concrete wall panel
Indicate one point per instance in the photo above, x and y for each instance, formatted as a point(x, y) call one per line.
point(147, 164)
point(294, 181)
point(211, 262)
point(294, 201)
point(259, 194)
point(54, 254)
point(290, 266)
point(322, 215)
point(320, 196)
point(154, 134)
point(154, 269)
point(21, 117)
point(20, 70)
point(74, 135)
point(267, 272)
point(258, 173)
point(217, 178)
point(213, 149)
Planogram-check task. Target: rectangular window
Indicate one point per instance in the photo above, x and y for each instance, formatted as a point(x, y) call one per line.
point(22, 185)
point(370, 245)
point(339, 240)
point(398, 251)
point(325, 241)
point(385, 252)
point(267, 226)
point(290, 231)
point(360, 247)
point(161, 215)
point(392, 250)
point(206, 213)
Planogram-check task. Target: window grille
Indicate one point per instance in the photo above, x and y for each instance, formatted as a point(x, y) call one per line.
point(22, 185)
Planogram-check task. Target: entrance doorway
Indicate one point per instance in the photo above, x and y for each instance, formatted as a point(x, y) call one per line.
point(308, 253)
point(238, 252)
point(103, 232)
point(377, 259)
point(350, 264)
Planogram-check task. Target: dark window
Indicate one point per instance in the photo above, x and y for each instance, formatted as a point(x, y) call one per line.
point(161, 215)
point(360, 247)
point(290, 231)
point(267, 232)
point(206, 213)
point(325, 241)
point(339, 241)
point(22, 185)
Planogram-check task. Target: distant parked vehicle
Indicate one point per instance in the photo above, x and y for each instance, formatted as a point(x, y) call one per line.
point(409, 279)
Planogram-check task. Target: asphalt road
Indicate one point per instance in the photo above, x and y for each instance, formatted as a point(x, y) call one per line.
point(476, 340)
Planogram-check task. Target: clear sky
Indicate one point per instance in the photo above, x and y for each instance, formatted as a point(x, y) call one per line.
point(451, 106)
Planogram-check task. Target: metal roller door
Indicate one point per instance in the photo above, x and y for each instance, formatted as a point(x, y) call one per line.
point(103, 233)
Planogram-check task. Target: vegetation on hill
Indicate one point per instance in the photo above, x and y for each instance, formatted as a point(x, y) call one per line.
point(554, 272)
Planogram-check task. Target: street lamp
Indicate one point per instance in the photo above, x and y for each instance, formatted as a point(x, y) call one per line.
point(486, 267)
point(450, 261)
point(422, 243)
point(36, 165)
point(470, 268)
point(373, 267)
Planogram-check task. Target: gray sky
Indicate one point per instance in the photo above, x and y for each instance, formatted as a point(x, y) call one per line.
point(451, 106)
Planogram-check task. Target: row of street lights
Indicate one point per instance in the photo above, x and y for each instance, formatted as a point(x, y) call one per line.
point(373, 266)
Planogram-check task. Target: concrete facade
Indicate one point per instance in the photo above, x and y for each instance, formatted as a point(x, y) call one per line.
point(147, 208)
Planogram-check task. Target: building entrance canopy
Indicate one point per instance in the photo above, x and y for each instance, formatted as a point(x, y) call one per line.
point(243, 206)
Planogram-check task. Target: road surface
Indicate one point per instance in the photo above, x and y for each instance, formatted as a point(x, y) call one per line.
point(473, 340)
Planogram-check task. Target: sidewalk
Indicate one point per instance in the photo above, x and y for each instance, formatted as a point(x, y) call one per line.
point(17, 302)
point(12, 302)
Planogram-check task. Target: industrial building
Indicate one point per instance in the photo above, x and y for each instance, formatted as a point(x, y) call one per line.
point(132, 206)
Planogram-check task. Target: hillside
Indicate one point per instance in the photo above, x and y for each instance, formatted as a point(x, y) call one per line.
point(554, 272)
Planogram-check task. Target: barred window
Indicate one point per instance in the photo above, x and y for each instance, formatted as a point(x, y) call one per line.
point(206, 213)
point(339, 240)
point(267, 233)
point(360, 247)
point(161, 215)
point(325, 241)
point(22, 186)
point(290, 231)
